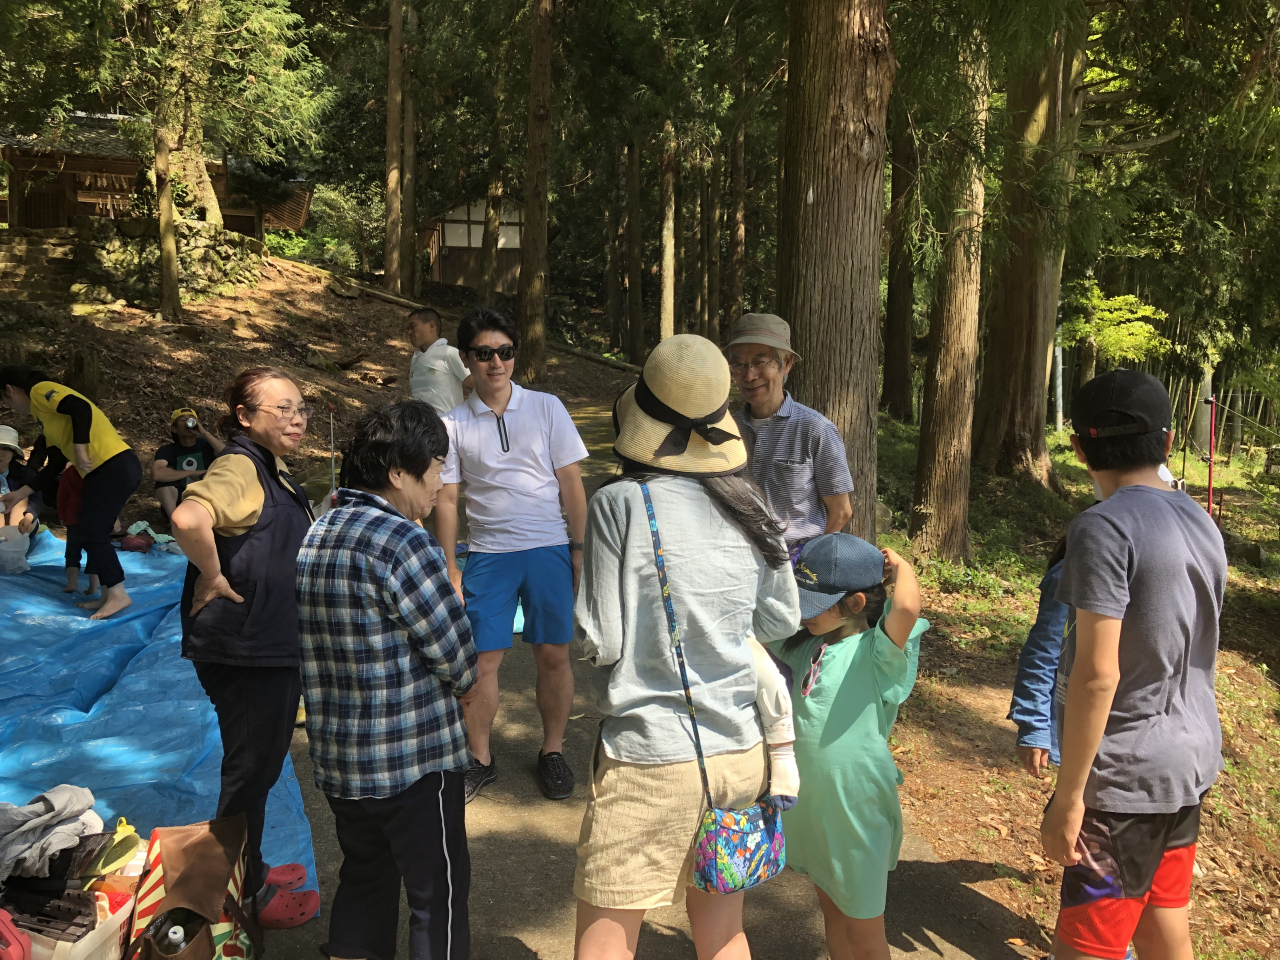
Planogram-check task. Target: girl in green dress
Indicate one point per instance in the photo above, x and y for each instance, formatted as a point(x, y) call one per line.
point(852, 664)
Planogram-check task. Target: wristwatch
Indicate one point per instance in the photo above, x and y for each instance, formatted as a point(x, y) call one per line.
point(575, 545)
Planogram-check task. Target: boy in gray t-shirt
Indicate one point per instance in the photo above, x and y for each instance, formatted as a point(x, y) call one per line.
point(1144, 574)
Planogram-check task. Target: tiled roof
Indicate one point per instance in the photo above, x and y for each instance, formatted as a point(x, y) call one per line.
point(84, 136)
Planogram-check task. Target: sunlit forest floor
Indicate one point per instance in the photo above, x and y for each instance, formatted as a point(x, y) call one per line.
point(964, 792)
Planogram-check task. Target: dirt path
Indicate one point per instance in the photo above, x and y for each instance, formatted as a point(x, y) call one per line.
point(522, 845)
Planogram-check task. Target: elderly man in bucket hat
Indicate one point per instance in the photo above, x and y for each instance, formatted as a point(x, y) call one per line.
point(796, 454)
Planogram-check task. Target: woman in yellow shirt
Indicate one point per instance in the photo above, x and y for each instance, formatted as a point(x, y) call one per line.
point(76, 431)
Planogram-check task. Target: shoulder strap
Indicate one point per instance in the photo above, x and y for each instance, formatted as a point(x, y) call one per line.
point(674, 629)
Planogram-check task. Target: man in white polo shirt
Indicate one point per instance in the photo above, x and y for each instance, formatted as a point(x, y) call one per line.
point(436, 371)
point(518, 451)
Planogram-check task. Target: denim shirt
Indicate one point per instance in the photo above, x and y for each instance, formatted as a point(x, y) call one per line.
point(1033, 707)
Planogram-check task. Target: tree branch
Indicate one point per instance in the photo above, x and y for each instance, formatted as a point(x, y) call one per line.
point(1111, 96)
point(1108, 149)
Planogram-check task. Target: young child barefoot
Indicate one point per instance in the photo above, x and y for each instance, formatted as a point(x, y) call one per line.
point(853, 664)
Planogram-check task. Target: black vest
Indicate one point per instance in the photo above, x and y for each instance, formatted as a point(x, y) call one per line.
point(261, 566)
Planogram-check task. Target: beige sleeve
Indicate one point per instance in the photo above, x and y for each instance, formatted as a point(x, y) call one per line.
point(232, 493)
point(772, 696)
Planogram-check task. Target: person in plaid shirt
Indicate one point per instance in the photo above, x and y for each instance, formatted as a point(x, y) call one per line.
point(387, 661)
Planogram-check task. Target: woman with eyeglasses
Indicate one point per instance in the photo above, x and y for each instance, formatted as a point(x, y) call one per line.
point(241, 527)
point(74, 430)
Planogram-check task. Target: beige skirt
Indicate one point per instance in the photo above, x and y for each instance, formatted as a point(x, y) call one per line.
point(635, 851)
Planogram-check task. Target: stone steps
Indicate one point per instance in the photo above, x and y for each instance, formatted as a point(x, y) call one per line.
point(37, 268)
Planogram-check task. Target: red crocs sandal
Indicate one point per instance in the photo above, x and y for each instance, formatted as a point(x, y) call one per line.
point(287, 876)
point(289, 908)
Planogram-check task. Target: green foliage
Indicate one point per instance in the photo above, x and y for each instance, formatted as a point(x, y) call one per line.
point(287, 244)
point(53, 55)
point(1122, 328)
point(235, 71)
point(346, 227)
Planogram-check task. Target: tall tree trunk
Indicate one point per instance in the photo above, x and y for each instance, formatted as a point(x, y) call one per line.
point(409, 172)
point(1088, 362)
point(899, 318)
point(1200, 413)
point(17, 198)
point(780, 148)
point(667, 203)
point(1237, 425)
point(715, 214)
point(1044, 115)
point(395, 109)
point(170, 298)
point(635, 256)
point(704, 249)
point(940, 507)
point(615, 240)
point(488, 287)
point(840, 74)
point(188, 164)
point(738, 234)
point(531, 361)
point(612, 289)
point(696, 323)
point(680, 249)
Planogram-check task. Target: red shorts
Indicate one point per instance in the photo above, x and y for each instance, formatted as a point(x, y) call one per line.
point(1128, 861)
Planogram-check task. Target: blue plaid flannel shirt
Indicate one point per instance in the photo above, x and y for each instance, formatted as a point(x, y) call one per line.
point(386, 649)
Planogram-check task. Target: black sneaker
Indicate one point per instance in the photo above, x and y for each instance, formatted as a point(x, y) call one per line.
point(554, 776)
point(478, 775)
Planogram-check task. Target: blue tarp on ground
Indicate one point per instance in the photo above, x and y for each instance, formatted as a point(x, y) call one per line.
point(112, 706)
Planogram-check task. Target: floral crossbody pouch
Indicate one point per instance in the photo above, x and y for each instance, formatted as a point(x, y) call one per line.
point(735, 849)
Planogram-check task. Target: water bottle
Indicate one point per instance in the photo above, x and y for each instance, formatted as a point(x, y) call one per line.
point(175, 930)
point(191, 423)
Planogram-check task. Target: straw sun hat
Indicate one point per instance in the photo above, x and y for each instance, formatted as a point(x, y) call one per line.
point(676, 417)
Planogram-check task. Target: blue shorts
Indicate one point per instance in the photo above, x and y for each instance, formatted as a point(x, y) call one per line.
point(540, 580)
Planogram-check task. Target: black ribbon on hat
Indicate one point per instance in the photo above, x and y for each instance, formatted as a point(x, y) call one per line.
point(682, 427)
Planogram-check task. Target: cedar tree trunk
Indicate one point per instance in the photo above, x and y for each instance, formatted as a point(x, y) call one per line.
point(840, 74)
point(635, 255)
point(531, 361)
point(170, 301)
point(488, 286)
point(738, 234)
point(680, 248)
point(667, 203)
point(395, 108)
point(615, 225)
point(714, 216)
point(409, 193)
point(1044, 115)
point(940, 507)
point(696, 322)
point(898, 392)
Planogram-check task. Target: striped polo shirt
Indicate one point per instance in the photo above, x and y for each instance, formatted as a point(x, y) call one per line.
point(798, 458)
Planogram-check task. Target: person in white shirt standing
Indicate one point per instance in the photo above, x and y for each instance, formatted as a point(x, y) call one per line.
point(436, 371)
point(518, 451)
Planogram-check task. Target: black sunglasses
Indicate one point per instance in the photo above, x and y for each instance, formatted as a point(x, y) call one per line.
point(485, 354)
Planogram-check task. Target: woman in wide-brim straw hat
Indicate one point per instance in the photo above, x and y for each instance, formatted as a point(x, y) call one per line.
point(728, 575)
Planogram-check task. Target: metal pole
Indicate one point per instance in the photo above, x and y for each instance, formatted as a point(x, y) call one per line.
point(1212, 401)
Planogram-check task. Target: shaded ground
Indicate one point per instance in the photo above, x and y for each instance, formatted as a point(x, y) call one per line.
point(522, 857)
point(972, 881)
